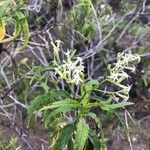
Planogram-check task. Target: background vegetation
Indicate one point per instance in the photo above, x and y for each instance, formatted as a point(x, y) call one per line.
point(33, 92)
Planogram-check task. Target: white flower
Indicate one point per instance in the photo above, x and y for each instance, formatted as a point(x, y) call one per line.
point(118, 74)
point(102, 6)
point(71, 71)
point(123, 60)
point(57, 46)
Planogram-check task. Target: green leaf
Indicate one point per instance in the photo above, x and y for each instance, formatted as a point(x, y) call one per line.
point(96, 104)
point(70, 144)
point(5, 7)
point(97, 98)
point(45, 87)
point(115, 106)
point(102, 139)
point(86, 90)
point(60, 94)
point(36, 104)
point(63, 103)
point(25, 28)
point(53, 114)
point(44, 100)
point(94, 140)
point(94, 116)
point(57, 122)
point(64, 137)
point(82, 135)
point(20, 16)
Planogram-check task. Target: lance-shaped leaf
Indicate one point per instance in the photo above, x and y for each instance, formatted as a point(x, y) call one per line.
point(110, 107)
point(87, 89)
point(46, 99)
point(62, 103)
point(64, 137)
point(94, 140)
point(25, 28)
point(82, 135)
point(5, 7)
point(48, 117)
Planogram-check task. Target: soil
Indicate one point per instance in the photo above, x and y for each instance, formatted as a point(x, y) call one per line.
point(28, 139)
point(140, 137)
point(140, 132)
point(37, 138)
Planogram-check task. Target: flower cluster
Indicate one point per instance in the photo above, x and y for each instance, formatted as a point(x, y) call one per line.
point(117, 74)
point(104, 13)
point(72, 71)
point(124, 60)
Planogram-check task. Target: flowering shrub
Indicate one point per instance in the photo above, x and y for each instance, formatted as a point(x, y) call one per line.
point(66, 111)
point(71, 94)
